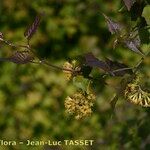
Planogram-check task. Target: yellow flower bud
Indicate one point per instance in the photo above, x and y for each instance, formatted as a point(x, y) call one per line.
point(80, 104)
point(134, 93)
point(67, 70)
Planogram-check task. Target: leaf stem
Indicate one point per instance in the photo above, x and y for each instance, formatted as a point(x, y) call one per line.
point(122, 69)
point(140, 62)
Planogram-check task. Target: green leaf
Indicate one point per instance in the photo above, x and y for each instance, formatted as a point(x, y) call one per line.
point(86, 70)
point(136, 10)
point(114, 101)
point(144, 35)
point(81, 83)
point(146, 14)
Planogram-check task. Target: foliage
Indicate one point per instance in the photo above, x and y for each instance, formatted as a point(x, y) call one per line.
point(33, 95)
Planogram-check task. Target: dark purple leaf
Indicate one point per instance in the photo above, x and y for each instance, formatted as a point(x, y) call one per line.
point(129, 3)
point(112, 67)
point(117, 68)
point(92, 61)
point(21, 57)
point(113, 27)
point(134, 45)
point(32, 28)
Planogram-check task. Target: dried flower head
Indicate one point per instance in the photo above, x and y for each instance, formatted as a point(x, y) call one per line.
point(80, 104)
point(134, 93)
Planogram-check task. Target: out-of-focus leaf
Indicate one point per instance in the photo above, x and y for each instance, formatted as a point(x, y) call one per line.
point(112, 67)
point(30, 31)
point(113, 27)
point(4, 59)
point(144, 36)
point(146, 14)
point(117, 68)
point(81, 82)
point(141, 23)
point(134, 45)
point(86, 70)
point(92, 61)
point(129, 3)
point(114, 101)
point(136, 10)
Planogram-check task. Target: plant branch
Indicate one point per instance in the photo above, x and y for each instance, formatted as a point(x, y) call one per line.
point(140, 62)
point(122, 69)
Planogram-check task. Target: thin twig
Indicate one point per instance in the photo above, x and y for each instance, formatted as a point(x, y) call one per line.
point(44, 62)
point(9, 43)
point(140, 62)
point(122, 69)
point(41, 61)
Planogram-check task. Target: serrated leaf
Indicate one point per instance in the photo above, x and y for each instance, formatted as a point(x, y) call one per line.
point(30, 31)
point(117, 68)
point(112, 67)
point(129, 3)
point(21, 57)
point(134, 45)
point(113, 26)
point(92, 61)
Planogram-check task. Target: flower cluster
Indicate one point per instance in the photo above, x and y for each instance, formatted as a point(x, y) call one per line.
point(80, 104)
point(70, 69)
point(134, 94)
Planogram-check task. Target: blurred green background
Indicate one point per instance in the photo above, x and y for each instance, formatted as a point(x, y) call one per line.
point(32, 96)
